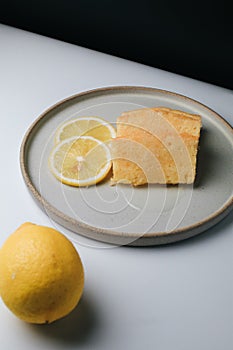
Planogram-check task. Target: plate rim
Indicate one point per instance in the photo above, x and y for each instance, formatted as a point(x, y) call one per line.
point(160, 237)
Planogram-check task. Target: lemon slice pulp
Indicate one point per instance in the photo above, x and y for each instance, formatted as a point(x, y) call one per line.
point(86, 126)
point(80, 161)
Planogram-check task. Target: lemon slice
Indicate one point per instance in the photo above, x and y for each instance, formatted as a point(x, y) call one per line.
point(81, 161)
point(85, 126)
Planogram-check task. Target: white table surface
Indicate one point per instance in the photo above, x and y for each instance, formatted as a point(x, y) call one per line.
point(172, 297)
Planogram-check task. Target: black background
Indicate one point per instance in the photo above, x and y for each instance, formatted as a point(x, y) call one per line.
point(191, 38)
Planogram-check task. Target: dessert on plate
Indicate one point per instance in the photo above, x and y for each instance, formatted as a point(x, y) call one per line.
point(155, 146)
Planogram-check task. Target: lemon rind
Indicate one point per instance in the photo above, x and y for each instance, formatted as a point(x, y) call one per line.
point(81, 183)
point(71, 121)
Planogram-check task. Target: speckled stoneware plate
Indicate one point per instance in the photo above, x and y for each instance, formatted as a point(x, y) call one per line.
point(122, 214)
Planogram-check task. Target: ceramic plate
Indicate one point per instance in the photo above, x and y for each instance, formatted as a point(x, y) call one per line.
point(121, 214)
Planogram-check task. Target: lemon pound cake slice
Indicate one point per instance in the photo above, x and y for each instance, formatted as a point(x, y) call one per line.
point(155, 145)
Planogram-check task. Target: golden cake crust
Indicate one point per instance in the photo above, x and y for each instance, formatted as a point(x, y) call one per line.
point(156, 145)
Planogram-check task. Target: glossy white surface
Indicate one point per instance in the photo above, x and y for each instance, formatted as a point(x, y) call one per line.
point(172, 297)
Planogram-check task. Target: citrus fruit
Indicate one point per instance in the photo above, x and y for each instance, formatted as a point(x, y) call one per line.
point(81, 161)
point(85, 126)
point(41, 274)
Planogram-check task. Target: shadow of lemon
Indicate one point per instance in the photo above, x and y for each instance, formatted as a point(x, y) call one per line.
point(77, 327)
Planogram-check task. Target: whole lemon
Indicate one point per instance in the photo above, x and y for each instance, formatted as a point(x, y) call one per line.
point(41, 274)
